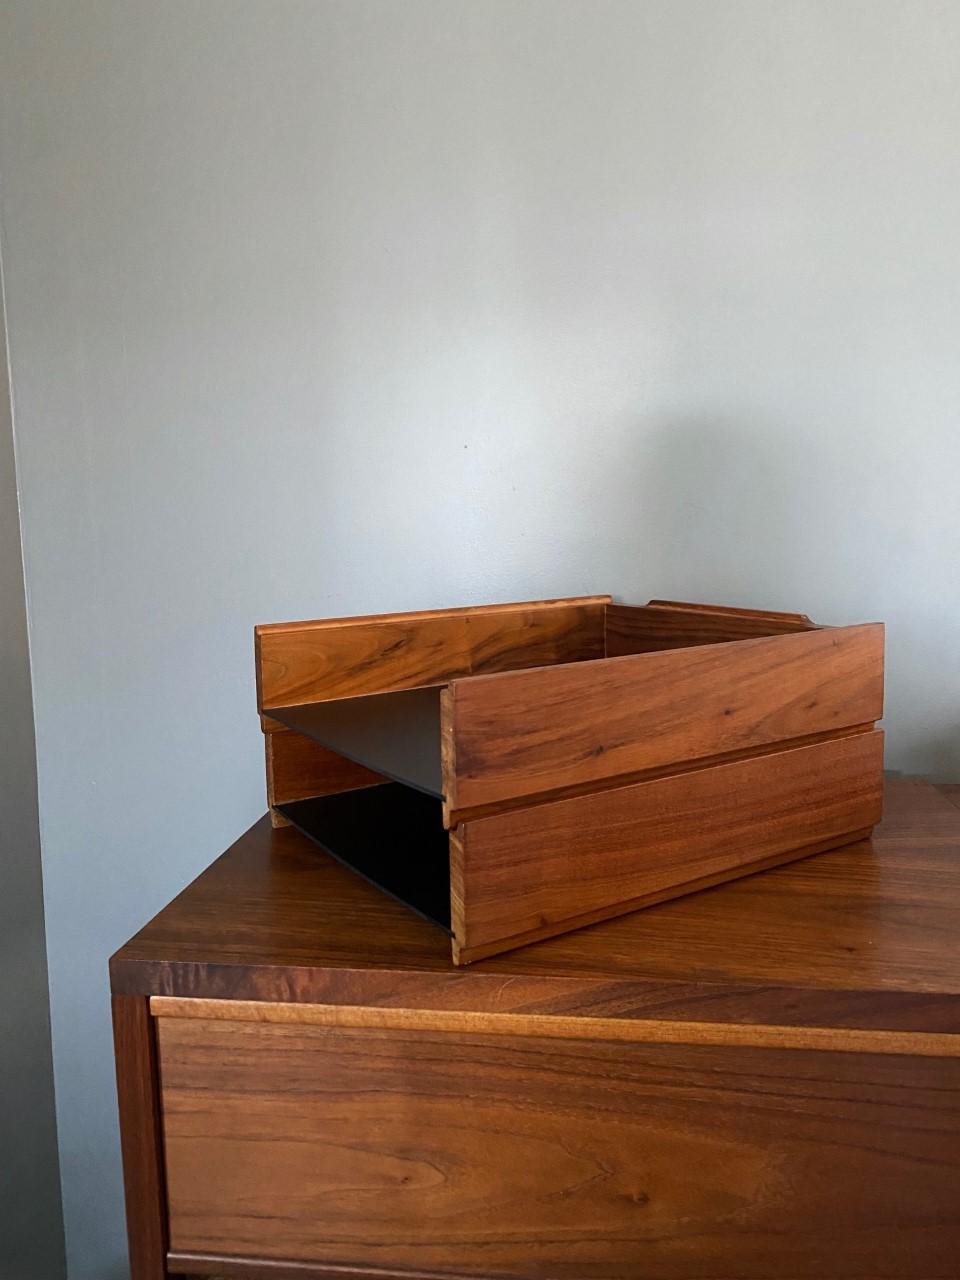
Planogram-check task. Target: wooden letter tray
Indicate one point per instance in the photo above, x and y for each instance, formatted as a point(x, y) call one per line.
point(515, 771)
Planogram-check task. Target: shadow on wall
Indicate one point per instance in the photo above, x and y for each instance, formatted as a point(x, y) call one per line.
point(727, 514)
point(942, 750)
point(762, 517)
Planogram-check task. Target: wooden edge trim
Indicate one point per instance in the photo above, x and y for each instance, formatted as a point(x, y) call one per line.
point(683, 606)
point(267, 723)
point(453, 816)
point(258, 680)
point(458, 915)
point(141, 1137)
point(320, 624)
point(448, 754)
point(234, 1268)
point(743, 1001)
point(680, 655)
point(467, 955)
point(933, 1044)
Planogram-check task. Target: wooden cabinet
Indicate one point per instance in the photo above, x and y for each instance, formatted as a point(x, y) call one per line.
point(756, 1082)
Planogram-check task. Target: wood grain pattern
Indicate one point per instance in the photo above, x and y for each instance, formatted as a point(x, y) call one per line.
point(775, 616)
point(465, 953)
point(487, 1156)
point(862, 937)
point(666, 625)
point(532, 871)
point(220, 1267)
point(761, 1080)
point(563, 1027)
point(298, 769)
point(527, 732)
point(303, 662)
point(141, 1138)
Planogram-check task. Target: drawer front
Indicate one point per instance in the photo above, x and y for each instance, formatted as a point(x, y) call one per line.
point(496, 1155)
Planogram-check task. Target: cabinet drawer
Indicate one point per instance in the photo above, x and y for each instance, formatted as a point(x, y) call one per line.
point(397, 1151)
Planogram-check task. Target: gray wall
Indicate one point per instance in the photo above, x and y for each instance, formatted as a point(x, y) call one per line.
point(324, 306)
point(31, 1230)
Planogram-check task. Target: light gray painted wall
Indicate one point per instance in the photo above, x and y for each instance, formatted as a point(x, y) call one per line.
point(324, 306)
point(31, 1226)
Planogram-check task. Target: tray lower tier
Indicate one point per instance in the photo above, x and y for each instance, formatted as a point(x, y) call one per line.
point(390, 834)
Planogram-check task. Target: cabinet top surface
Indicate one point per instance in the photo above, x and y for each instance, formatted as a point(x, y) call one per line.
point(875, 926)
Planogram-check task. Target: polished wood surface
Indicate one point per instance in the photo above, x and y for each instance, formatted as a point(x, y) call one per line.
point(534, 738)
point(299, 769)
point(300, 662)
point(665, 624)
point(496, 1156)
point(863, 936)
point(202, 1266)
point(778, 620)
point(141, 1137)
point(930, 1044)
point(520, 876)
point(528, 732)
point(757, 1081)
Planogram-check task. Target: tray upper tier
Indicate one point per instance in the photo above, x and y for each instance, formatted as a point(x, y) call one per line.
point(396, 734)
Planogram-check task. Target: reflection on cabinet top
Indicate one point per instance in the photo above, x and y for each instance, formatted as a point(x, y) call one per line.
point(864, 936)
